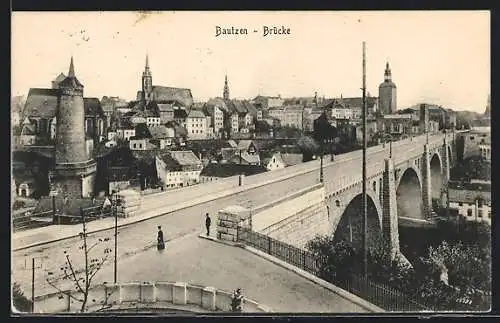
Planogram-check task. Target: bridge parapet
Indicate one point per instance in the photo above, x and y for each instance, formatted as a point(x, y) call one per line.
point(152, 295)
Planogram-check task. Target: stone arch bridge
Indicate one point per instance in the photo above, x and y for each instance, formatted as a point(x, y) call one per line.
point(401, 183)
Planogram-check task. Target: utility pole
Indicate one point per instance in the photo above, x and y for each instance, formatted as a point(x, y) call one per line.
point(116, 235)
point(32, 285)
point(364, 200)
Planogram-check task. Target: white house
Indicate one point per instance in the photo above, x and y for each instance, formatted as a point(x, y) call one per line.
point(140, 144)
point(196, 125)
point(162, 136)
point(153, 121)
point(125, 133)
point(471, 201)
point(234, 122)
point(178, 168)
point(273, 161)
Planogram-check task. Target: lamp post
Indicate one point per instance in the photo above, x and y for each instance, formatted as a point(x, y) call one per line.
point(364, 197)
point(321, 165)
point(115, 211)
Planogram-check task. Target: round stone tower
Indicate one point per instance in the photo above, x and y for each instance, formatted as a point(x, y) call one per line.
point(74, 172)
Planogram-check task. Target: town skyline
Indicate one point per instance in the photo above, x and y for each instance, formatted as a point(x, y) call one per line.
point(109, 51)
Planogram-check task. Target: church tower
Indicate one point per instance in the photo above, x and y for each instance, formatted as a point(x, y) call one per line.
point(487, 112)
point(147, 82)
point(387, 93)
point(225, 94)
point(74, 171)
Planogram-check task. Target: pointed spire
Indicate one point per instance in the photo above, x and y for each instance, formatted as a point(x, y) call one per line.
point(71, 72)
point(147, 61)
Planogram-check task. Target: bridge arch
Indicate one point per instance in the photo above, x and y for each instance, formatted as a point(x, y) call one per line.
point(436, 165)
point(350, 225)
point(409, 194)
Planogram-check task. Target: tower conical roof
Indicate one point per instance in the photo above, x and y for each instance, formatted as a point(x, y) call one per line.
point(71, 80)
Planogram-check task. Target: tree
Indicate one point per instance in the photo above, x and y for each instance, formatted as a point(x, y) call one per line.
point(308, 147)
point(20, 302)
point(81, 278)
point(472, 168)
point(262, 126)
point(335, 259)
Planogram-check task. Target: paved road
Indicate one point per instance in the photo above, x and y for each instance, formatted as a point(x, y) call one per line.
point(203, 262)
point(139, 237)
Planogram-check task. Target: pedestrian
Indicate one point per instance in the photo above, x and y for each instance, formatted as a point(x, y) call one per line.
point(208, 222)
point(161, 242)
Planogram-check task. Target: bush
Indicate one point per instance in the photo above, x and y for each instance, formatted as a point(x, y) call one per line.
point(20, 302)
point(18, 205)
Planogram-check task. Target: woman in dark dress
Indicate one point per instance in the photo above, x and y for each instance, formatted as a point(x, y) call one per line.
point(161, 242)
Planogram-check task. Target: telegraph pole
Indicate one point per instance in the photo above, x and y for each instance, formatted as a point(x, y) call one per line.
point(32, 285)
point(364, 200)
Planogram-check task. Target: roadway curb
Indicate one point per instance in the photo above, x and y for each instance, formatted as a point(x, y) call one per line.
point(341, 292)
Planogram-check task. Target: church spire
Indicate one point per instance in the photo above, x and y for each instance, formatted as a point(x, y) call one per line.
point(387, 74)
point(225, 94)
point(147, 61)
point(71, 72)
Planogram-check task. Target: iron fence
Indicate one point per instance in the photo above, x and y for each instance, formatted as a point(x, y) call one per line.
point(378, 294)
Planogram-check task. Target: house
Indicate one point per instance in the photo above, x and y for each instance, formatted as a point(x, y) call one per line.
point(162, 136)
point(291, 159)
point(248, 146)
point(470, 201)
point(178, 168)
point(477, 142)
point(272, 161)
point(180, 116)
point(126, 132)
point(28, 134)
point(289, 116)
point(196, 125)
point(216, 119)
point(166, 111)
point(244, 158)
point(396, 124)
point(142, 143)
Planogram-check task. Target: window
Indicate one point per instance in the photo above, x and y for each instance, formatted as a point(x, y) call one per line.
point(489, 214)
point(134, 146)
point(480, 213)
point(460, 203)
point(472, 138)
point(374, 186)
point(469, 212)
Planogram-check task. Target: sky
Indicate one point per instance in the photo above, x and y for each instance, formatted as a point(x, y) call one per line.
point(440, 57)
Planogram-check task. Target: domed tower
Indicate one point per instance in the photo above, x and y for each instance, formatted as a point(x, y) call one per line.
point(147, 82)
point(387, 93)
point(74, 171)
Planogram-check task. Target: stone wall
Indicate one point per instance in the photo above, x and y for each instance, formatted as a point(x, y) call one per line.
point(287, 206)
point(149, 295)
point(301, 227)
